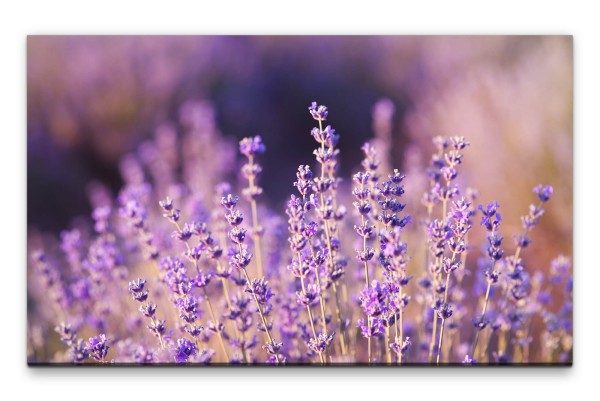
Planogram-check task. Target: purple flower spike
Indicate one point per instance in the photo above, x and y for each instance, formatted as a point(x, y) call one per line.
point(543, 192)
point(185, 350)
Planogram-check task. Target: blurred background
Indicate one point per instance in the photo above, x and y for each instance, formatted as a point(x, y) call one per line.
point(91, 100)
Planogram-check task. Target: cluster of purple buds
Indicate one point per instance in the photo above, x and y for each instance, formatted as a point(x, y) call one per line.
point(97, 348)
point(169, 211)
point(389, 193)
point(320, 344)
point(188, 308)
point(401, 347)
point(373, 301)
point(319, 113)
point(444, 311)
point(184, 350)
point(308, 296)
point(304, 181)
point(262, 292)
point(327, 136)
point(136, 288)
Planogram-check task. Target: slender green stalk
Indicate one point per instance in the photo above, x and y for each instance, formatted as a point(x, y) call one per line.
point(388, 351)
point(485, 304)
point(367, 284)
point(310, 317)
point(260, 311)
point(443, 320)
point(255, 233)
point(331, 261)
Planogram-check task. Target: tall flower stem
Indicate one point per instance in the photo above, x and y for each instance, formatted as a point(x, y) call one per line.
point(215, 323)
point(362, 217)
point(238, 335)
point(331, 261)
point(318, 280)
point(338, 314)
point(260, 311)
point(321, 299)
point(435, 321)
point(388, 351)
point(310, 315)
point(255, 226)
point(439, 352)
point(401, 313)
point(485, 304)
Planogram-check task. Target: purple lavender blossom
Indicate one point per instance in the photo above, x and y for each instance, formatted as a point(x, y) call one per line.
point(184, 350)
point(319, 113)
point(543, 192)
point(97, 348)
point(252, 146)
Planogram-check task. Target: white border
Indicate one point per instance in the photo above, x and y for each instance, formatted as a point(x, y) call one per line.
point(22, 18)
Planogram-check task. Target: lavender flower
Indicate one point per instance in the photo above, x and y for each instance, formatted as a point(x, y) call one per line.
point(96, 347)
point(184, 350)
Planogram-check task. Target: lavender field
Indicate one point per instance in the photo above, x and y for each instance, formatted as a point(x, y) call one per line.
point(233, 201)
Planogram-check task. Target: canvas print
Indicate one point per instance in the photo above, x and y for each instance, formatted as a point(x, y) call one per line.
point(300, 200)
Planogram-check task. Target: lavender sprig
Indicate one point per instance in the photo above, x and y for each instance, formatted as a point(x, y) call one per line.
point(258, 288)
point(326, 156)
point(303, 265)
point(459, 227)
point(251, 147)
point(491, 220)
point(148, 309)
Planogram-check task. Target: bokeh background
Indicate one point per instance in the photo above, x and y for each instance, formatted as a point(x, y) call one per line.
point(93, 99)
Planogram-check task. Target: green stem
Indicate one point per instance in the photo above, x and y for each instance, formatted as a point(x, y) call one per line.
point(310, 318)
point(485, 304)
point(255, 233)
point(260, 312)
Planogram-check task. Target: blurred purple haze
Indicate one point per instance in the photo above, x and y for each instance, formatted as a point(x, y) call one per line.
point(92, 99)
